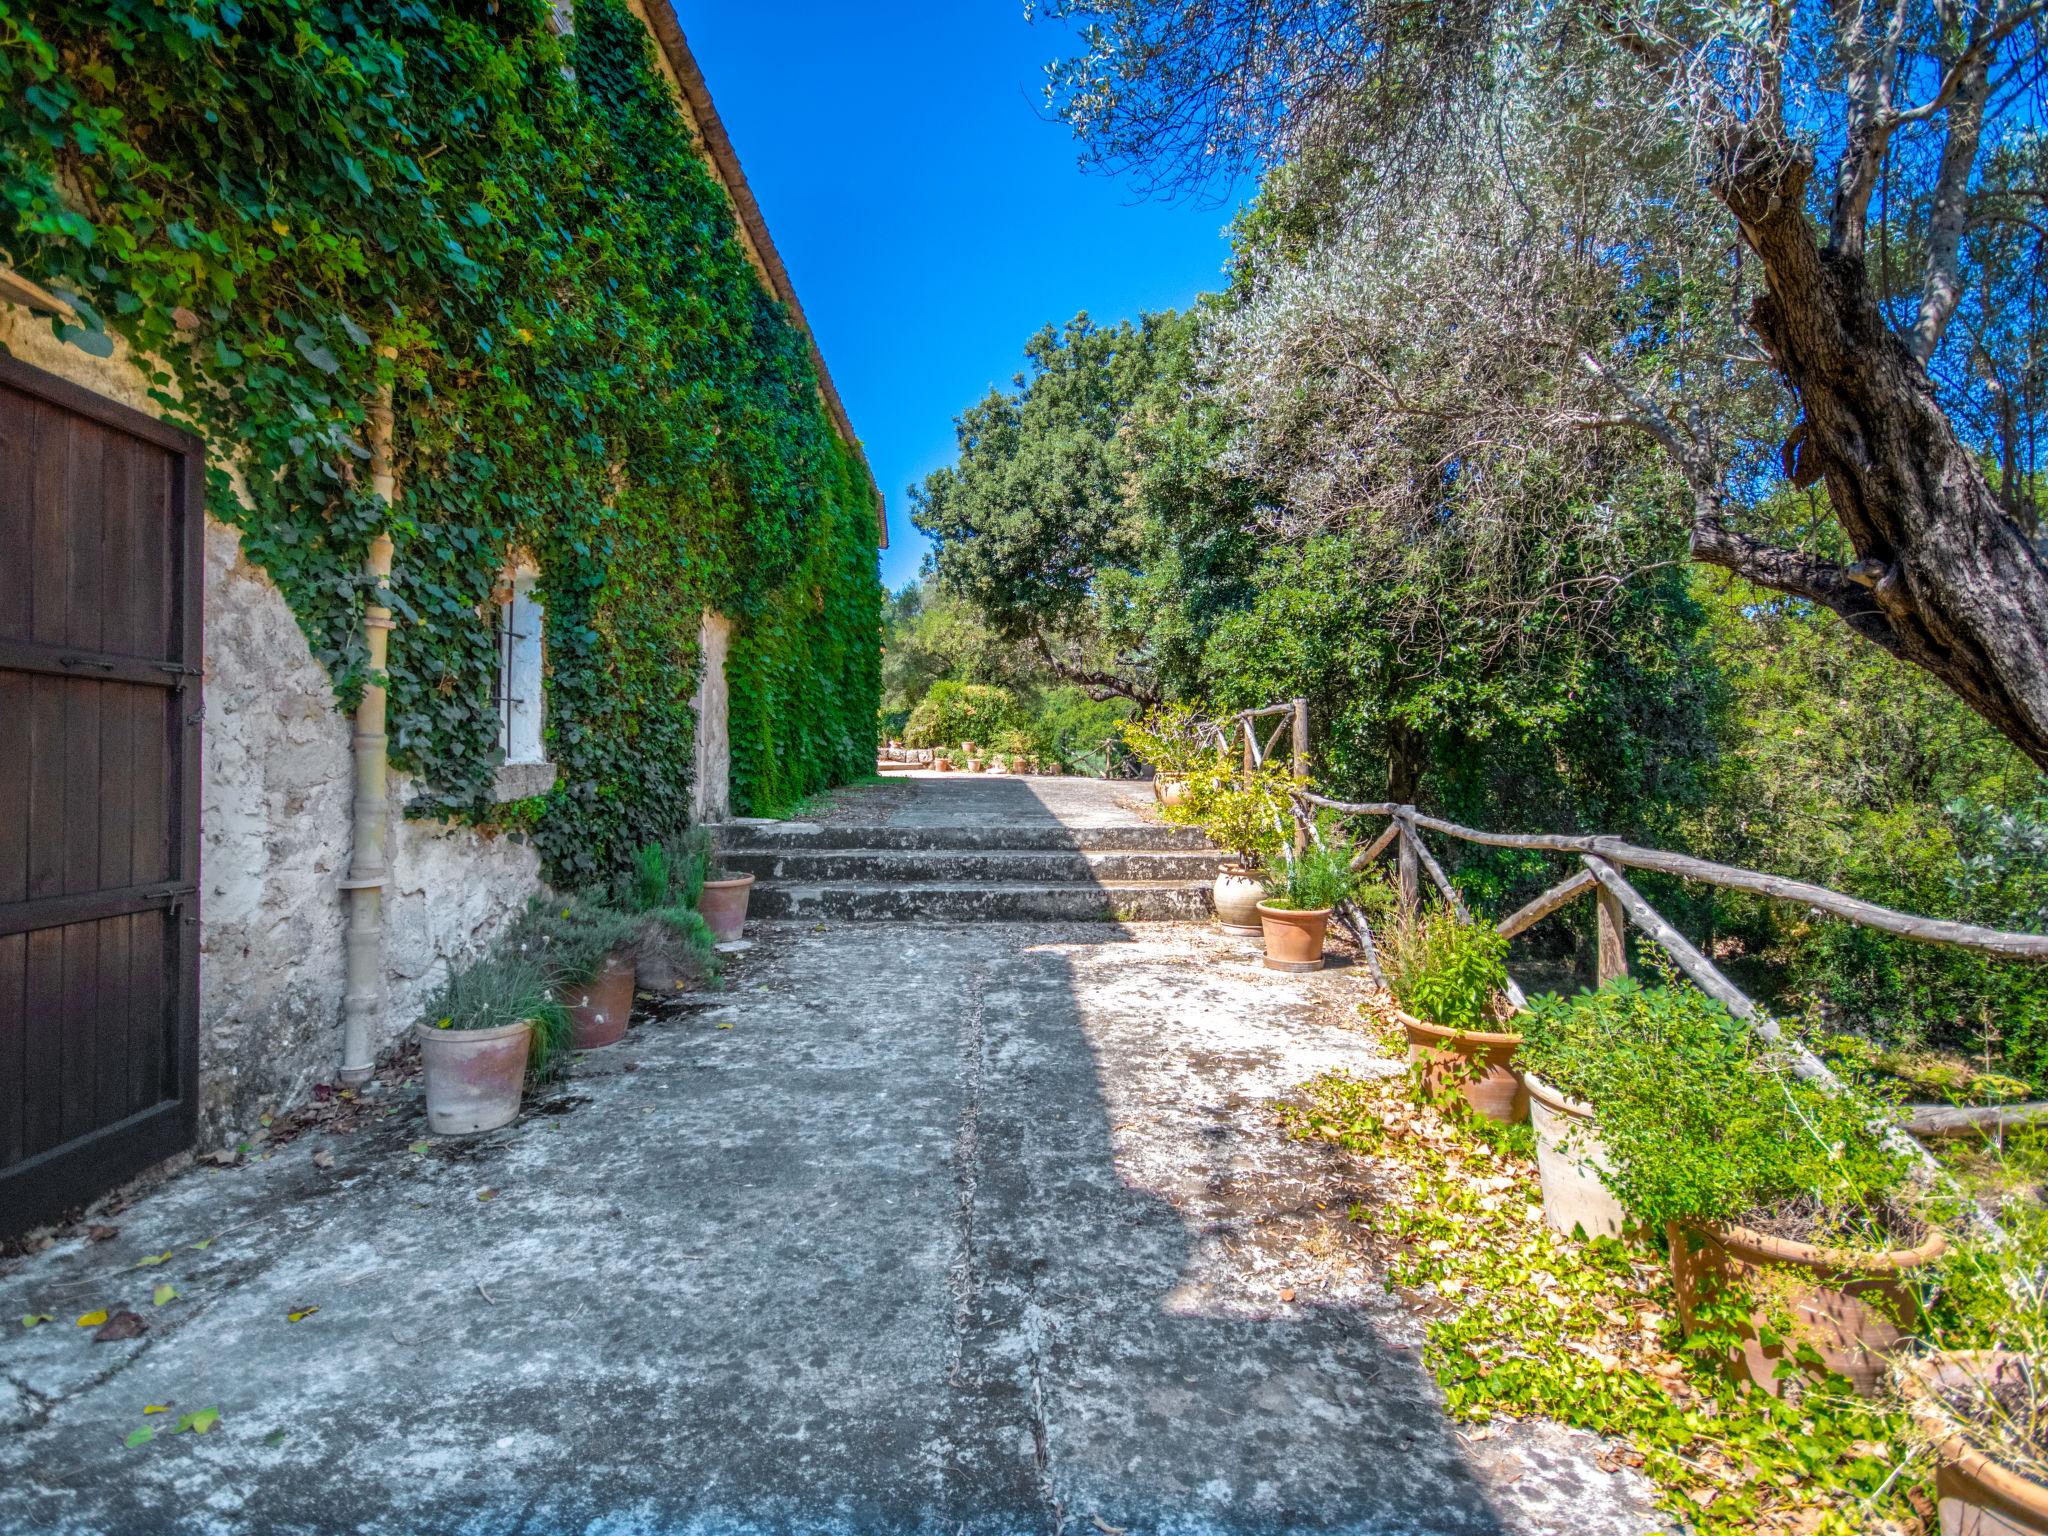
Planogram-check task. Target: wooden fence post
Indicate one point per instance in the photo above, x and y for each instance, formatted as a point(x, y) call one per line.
point(1411, 872)
point(1611, 936)
point(1301, 767)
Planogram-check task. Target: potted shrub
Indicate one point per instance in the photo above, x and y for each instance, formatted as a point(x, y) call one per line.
point(1300, 895)
point(675, 952)
point(1979, 1397)
point(942, 763)
point(1449, 980)
point(1247, 815)
point(1794, 1245)
point(485, 1029)
point(1169, 739)
point(588, 947)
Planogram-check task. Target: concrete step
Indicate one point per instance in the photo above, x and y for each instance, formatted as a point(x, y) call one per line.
point(983, 902)
point(778, 836)
point(882, 866)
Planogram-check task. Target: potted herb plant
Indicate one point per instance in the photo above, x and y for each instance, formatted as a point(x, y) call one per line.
point(1301, 892)
point(588, 947)
point(1449, 979)
point(667, 890)
point(485, 1029)
point(1979, 1395)
point(1169, 739)
point(1794, 1239)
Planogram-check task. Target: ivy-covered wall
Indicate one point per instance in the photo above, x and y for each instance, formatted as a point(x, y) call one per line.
point(282, 204)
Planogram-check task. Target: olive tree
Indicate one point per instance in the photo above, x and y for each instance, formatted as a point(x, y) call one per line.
point(1798, 187)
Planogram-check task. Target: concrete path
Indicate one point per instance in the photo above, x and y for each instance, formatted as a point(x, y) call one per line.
point(918, 1229)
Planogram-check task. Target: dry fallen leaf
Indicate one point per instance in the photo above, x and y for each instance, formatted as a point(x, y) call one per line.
point(122, 1325)
point(323, 1159)
point(299, 1315)
point(93, 1319)
point(154, 1259)
point(487, 1194)
point(165, 1293)
point(1288, 1294)
point(149, 1408)
point(102, 1233)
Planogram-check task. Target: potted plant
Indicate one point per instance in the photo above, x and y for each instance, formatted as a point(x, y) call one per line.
point(1246, 813)
point(588, 947)
point(1978, 1395)
point(941, 763)
point(1794, 1246)
point(1300, 895)
point(1449, 979)
point(1170, 740)
point(485, 1029)
point(675, 952)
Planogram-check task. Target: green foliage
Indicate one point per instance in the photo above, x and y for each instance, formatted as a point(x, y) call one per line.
point(678, 940)
point(1527, 1322)
point(1168, 739)
point(1841, 767)
point(1443, 970)
point(570, 937)
point(953, 712)
point(501, 989)
point(1248, 813)
point(1318, 877)
point(668, 875)
point(257, 198)
point(1706, 1122)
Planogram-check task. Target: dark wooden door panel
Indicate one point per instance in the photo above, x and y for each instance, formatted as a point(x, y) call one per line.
point(101, 521)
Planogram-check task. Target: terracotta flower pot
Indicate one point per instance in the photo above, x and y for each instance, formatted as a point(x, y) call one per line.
point(474, 1076)
point(942, 765)
point(975, 765)
point(1236, 896)
point(1294, 940)
point(1978, 1494)
point(1571, 1162)
point(1051, 770)
point(724, 905)
point(1169, 788)
point(1476, 1062)
point(1851, 1306)
point(599, 1008)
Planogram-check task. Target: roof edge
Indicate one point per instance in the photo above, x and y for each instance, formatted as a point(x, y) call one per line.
point(668, 32)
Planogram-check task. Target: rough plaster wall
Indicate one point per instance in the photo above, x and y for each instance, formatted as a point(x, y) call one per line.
point(711, 793)
point(275, 831)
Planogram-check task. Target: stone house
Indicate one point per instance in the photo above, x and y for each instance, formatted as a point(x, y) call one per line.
point(181, 889)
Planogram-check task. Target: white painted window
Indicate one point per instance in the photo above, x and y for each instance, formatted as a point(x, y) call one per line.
point(520, 655)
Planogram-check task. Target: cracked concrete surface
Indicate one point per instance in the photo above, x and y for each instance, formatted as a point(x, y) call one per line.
point(916, 1229)
point(972, 1228)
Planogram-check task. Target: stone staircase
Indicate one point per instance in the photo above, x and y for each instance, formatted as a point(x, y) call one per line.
point(1136, 872)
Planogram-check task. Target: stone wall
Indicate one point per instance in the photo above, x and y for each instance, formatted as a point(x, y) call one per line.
point(711, 789)
point(274, 831)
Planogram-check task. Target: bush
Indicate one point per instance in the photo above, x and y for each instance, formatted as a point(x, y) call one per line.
point(676, 938)
point(1247, 813)
point(1444, 970)
point(1168, 739)
point(1703, 1121)
point(955, 712)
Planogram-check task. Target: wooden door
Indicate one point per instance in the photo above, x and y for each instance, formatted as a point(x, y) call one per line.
point(101, 528)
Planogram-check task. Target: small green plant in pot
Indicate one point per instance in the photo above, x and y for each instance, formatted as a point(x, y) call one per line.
point(1449, 978)
point(1301, 892)
point(485, 1030)
point(588, 946)
point(1170, 741)
point(676, 941)
point(1793, 1237)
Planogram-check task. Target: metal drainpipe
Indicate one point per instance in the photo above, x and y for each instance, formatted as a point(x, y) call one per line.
point(363, 1000)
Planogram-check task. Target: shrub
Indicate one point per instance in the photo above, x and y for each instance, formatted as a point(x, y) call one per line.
point(955, 712)
point(1319, 876)
point(500, 989)
point(1246, 813)
point(1703, 1121)
point(677, 939)
point(1444, 970)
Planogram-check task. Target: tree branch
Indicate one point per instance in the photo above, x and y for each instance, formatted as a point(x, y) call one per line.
point(1785, 570)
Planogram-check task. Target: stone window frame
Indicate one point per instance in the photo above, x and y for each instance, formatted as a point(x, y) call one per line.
point(519, 687)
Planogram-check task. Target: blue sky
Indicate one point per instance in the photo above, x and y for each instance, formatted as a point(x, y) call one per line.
point(930, 215)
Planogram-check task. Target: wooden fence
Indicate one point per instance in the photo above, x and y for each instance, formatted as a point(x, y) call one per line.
point(1617, 903)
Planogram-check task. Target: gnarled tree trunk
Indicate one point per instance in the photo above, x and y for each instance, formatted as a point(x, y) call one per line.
point(1945, 580)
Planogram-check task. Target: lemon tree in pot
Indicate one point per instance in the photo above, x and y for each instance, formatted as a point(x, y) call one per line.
point(1979, 1391)
point(1247, 815)
point(1301, 892)
point(1168, 739)
point(1795, 1239)
point(485, 1031)
point(588, 946)
point(1449, 979)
